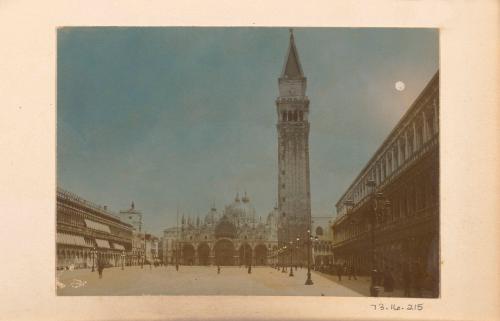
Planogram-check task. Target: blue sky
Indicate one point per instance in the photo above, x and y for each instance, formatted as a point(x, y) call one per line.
point(172, 117)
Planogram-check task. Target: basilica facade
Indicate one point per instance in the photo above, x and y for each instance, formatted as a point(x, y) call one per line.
point(234, 237)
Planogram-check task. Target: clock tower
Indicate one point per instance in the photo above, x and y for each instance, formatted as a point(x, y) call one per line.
point(294, 197)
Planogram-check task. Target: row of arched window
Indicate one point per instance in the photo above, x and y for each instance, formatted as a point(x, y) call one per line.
point(322, 247)
point(292, 115)
point(71, 216)
point(417, 133)
point(412, 199)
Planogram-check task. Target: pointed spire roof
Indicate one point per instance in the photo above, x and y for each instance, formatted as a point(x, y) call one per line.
point(292, 68)
point(245, 198)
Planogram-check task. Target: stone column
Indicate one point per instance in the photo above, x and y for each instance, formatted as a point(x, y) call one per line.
point(436, 113)
point(424, 127)
point(414, 136)
point(393, 160)
point(406, 145)
point(211, 257)
point(398, 152)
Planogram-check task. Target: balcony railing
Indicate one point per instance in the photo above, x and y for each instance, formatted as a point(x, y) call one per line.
point(67, 195)
point(401, 223)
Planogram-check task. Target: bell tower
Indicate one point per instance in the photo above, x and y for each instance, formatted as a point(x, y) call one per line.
point(292, 107)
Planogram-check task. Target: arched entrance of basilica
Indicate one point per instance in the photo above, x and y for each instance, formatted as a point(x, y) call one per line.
point(224, 252)
point(203, 254)
point(260, 254)
point(245, 254)
point(188, 254)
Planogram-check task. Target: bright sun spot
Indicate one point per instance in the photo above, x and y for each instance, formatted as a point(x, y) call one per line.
point(400, 86)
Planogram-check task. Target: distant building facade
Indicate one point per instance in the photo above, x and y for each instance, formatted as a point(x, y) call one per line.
point(133, 217)
point(87, 232)
point(151, 248)
point(136, 255)
point(393, 204)
point(168, 245)
point(235, 237)
point(322, 245)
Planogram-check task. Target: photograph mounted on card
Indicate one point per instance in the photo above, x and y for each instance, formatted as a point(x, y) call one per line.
point(247, 161)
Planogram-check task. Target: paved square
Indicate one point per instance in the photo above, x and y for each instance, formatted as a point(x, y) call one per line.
point(197, 280)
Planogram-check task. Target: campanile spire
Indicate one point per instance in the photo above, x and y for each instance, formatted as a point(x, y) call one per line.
point(292, 68)
point(292, 106)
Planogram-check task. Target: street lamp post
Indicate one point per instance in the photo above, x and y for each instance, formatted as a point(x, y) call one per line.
point(123, 258)
point(283, 259)
point(278, 257)
point(297, 247)
point(93, 258)
point(291, 258)
point(250, 264)
point(176, 256)
point(244, 255)
point(380, 204)
point(309, 281)
point(280, 267)
point(309, 245)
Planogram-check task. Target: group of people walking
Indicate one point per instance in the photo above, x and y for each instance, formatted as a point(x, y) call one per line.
point(350, 271)
point(411, 278)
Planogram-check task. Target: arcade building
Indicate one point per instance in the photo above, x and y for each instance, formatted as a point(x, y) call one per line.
point(388, 219)
point(87, 232)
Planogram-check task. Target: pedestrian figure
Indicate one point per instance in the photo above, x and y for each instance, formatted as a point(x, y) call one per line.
point(339, 272)
point(388, 281)
point(100, 268)
point(218, 269)
point(419, 279)
point(406, 280)
point(352, 272)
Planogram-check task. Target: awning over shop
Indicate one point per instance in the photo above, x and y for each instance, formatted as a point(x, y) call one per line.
point(118, 247)
point(97, 226)
point(71, 239)
point(102, 244)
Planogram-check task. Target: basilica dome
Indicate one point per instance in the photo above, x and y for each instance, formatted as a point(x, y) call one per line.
point(212, 216)
point(241, 211)
point(225, 228)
